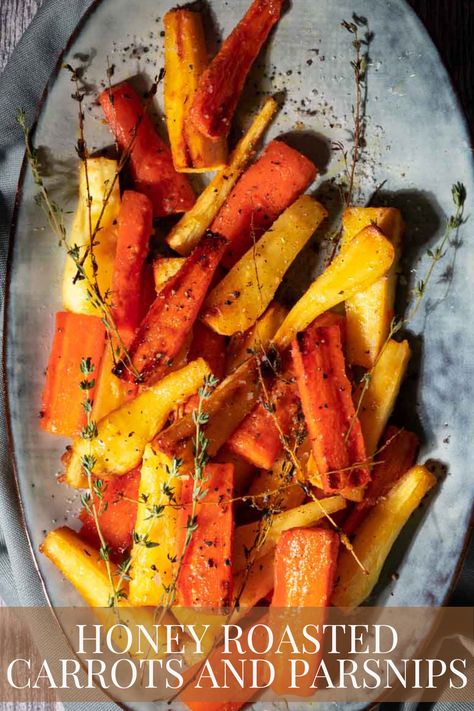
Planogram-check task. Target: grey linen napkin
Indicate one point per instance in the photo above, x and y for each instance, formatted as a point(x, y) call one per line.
point(21, 86)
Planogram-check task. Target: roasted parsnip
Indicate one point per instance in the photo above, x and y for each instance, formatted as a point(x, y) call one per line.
point(245, 292)
point(370, 312)
point(123, 434)
point(367, 258)
point(376, 535)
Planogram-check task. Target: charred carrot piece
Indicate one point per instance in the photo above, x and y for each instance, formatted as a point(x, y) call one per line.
point(206, 579)
point(397, 456)
point(326, 397)
point(259, 438)
point(222, 82)
point(151, 163)
point(117, 508)
point(76, 336)
point(305, 571)
point(264, 191)
point(135, 224)
point(173, 313)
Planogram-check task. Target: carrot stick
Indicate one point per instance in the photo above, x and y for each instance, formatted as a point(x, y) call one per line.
point(117, 513)
point(135, 223)
point(76, 336)
point(264, 191)
point(305, 566)
point(258, 437)
point(206, 578)
point(305, 571)
point(209, 345)
point(173, 313)
point(326, 397)
point(222, 82)
point(150, 158)
point(397, 456)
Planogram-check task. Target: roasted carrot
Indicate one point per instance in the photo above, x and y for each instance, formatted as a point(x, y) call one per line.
point(264, 191)
point(76, 336)
point(222, 82)
point(215, 705)
point(397, 456)
point(325, 391)
point(135, 223)
point(151, 163)
point(259, 437)
point(305, 565)
point(205, 579)
point(305, 570)
point(117, 508)
point(209, 345)
point(173, 313)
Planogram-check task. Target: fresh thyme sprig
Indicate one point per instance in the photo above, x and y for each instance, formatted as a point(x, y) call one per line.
point(453, 223)
point(96, 488)
point(154, 512)
point(351, 159)
point(55, 216)
point(359, 68)
point(122, 161)
point(199, 478)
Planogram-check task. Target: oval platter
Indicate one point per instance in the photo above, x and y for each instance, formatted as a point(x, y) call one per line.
point(416, 141)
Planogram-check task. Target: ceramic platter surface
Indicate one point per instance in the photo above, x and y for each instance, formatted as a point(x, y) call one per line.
point(416, 141)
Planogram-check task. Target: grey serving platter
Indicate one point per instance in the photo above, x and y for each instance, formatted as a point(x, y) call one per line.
point(416, 141)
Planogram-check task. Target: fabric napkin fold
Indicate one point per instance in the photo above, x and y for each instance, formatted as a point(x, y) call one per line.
point(22, 84)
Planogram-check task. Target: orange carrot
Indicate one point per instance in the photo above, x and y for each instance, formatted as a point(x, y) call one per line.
point(326, 397)
point(264, 191)
point(258, 438)
point(221, 84)
point(206, 579)
point(173, 313)
point(147, 290)
point(305, 571)
point(76, 336)
point(305, 567)
point(199, 698)
point(150, 158)
point(135, 223)
point(117, 509)
point(397, 456)
point(215, 705)
point(211, 346)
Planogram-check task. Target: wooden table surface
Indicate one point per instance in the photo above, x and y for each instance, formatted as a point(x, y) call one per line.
point(450, 23)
